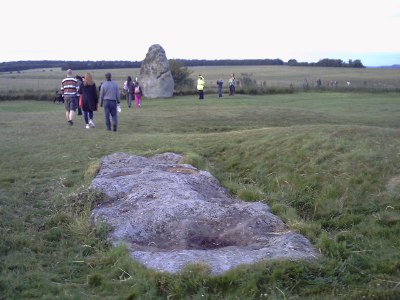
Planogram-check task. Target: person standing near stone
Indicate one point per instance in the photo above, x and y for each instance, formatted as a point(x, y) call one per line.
point(69, 87)
point(129, 90)
point(232, 82)
point(110, 98)
point(219, 84)
point(200, 87)
point(138, 93)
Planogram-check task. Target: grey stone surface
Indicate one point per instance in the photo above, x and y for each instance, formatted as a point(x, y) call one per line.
point(155, 75)
point(171, 214)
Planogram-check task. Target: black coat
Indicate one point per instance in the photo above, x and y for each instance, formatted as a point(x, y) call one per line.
point(90, 97)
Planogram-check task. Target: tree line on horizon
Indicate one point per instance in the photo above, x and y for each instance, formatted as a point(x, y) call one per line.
point(18, 66)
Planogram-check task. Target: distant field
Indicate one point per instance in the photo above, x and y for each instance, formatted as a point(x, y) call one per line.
point(284, 76)
point(48, 80)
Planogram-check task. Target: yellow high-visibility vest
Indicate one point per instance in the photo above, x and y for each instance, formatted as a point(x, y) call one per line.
point(200, 84)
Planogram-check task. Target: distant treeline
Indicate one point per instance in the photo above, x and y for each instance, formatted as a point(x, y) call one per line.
point(231, 62)
point(327, 62)
point(17, 66)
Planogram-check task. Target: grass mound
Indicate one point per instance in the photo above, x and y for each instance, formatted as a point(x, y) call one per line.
point(328, 164)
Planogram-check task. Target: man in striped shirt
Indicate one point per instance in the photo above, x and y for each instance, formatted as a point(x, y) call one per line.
point(69, 87)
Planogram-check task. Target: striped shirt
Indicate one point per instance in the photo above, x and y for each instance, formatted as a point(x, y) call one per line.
point(69, 86)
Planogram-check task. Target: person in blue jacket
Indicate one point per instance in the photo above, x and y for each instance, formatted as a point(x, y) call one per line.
point(219, 84)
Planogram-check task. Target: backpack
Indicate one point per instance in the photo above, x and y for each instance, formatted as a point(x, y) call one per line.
point(137, 90)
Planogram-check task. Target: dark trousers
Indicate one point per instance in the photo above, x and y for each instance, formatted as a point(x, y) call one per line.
point(129, 98)
point(201, 94)
point(88, 115)
point(110, 108)
point(231, 90)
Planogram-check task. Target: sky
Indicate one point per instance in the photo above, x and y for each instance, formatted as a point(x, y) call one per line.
point(307, 30)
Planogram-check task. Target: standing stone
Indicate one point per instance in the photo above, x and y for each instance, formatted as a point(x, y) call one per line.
point(155, 76)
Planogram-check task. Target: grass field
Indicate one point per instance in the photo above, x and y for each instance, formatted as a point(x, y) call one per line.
point(326, 163)
point(284, 76)
point(45, 82)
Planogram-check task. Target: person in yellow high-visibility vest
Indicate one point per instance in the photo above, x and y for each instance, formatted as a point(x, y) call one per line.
point(200, 86)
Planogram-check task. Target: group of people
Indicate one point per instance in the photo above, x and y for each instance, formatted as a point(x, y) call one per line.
point(132, 91)
point(220, 82)
point(81, 93)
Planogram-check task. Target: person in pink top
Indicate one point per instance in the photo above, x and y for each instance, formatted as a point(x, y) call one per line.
point(138, 93)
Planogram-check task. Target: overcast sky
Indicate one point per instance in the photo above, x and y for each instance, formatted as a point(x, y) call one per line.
point(307, 30)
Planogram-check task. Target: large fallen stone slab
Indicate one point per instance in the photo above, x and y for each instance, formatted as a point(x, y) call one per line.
point(171, 214)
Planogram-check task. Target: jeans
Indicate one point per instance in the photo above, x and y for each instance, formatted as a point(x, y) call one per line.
point(129, 98)
point(110, 108)
point(85, 115)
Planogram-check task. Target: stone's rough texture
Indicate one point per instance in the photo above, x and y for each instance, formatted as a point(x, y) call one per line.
point(155, 75)
point(171, 214)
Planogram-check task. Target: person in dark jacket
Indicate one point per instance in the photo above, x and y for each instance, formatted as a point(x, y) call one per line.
point(129, 87)
point(58, 98)
point(219, 84)
point(90, 99)
point(78, 94)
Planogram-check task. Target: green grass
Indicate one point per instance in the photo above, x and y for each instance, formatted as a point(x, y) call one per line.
point(41, 84)
point(284, 76)
point(326, 163)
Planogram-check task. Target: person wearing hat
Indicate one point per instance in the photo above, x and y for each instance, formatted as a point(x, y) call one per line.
point(200, 87)
point(110, 98)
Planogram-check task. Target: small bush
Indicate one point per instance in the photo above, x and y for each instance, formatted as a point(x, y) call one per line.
point(53, 234)
point(331, 247)
point(250, 194)
point(94, 280)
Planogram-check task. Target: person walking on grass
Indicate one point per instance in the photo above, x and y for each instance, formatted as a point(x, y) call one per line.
point(90, 99)
point(138, 93)
point(69, 87)
point(129, 86)
point(219, 84)
point(232, 82)
point(200, 87)
point(110, 98)
point(78, 94)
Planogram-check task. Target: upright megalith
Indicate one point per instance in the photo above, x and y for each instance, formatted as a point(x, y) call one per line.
point(155, 75)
